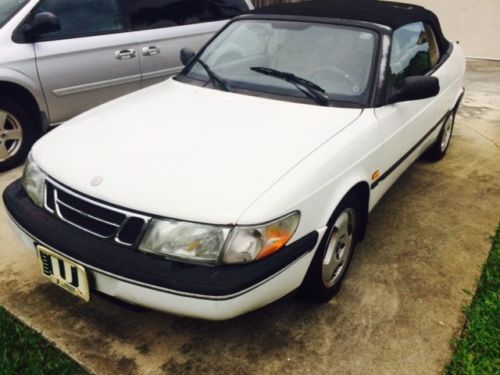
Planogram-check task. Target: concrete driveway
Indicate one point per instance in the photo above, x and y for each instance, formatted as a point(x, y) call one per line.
point(400, 306)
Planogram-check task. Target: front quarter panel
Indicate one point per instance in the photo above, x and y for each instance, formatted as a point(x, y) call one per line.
point(317, 185)
point(451, 78)
point(459, 67)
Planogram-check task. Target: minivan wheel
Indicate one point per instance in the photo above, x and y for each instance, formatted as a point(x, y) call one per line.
point(438, 150)
point(333, 256)
point(17, 134)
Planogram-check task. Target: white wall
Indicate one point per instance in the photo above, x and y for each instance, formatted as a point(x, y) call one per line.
point(475, 23)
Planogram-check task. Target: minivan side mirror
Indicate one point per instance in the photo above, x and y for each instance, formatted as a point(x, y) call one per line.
point(43, 23)
point(186, 56)
point(416, 88)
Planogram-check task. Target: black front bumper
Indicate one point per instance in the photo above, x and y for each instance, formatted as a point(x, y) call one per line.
point(133, 266)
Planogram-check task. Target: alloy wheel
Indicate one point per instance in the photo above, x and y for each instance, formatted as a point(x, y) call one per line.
point(11, 135)
point(448, 128)
point(339, 249)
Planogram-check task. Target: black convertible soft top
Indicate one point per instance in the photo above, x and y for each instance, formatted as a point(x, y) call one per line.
point(391, 14)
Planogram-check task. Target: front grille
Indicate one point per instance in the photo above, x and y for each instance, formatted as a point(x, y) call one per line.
point(49, 197)
point(87, 222)
point(131, 230)
point(90, 209)
point(99, 219)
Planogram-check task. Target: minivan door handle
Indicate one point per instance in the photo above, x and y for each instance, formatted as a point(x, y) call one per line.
point(150, 51)
point(125, 54)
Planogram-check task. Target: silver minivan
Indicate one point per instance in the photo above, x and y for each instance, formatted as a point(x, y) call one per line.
point(59, 58)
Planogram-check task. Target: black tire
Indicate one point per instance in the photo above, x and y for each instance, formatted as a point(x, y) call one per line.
point(437, 152)
point(314, 287)
point(17, 150)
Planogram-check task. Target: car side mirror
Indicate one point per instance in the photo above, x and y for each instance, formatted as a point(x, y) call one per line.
point(186, 56)
point(43, 23)
point(416, 88)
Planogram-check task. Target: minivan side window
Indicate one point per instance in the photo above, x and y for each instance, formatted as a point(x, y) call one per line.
point(82, 17)
point(154, 14)
point(414, 52)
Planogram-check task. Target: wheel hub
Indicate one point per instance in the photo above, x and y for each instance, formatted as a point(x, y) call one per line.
point(339, 248)
point(11, 135)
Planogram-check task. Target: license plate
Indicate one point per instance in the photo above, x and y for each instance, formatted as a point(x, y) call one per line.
point(63, 272)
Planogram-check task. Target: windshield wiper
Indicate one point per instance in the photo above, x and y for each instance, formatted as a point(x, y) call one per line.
point(214, 77)
point(308, 88)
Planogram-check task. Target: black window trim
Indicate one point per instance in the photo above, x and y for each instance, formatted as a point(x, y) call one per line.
point(380, 30)
point(392, 39)
point(444, 55)
point(127, 21)
point(19, 37)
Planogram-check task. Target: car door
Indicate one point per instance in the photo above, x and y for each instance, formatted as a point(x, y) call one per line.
point(90, 60)
point(405, 126)
point(163, 27)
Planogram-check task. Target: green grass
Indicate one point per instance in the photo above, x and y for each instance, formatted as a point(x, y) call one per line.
point(23, 351)
point(477, 351)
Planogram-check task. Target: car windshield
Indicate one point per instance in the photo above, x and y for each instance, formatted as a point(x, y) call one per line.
point(253, 54)
point(8, 8)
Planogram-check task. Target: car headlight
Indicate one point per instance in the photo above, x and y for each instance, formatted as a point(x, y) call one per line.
point(185, 240)
point(33, 181)
point(247, 244)
point(212, 244)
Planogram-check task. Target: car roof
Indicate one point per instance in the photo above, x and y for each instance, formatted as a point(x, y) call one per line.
point(387, 13)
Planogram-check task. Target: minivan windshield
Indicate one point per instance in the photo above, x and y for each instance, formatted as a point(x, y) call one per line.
point(326, 60)
point(8, 8)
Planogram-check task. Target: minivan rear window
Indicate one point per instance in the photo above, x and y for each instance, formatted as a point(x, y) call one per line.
point(155, 14)
point(9, 8)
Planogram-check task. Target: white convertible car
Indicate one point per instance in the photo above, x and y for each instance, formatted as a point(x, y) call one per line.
point(249, 175)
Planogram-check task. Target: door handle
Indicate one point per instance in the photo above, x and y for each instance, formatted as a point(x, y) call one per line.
point(125, 54)
point(150, 51)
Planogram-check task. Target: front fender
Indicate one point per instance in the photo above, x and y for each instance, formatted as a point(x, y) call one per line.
point(319, 183)
point(460, 66)
point(24, 81)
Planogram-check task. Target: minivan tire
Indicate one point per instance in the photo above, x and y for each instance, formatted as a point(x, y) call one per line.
point(17, 133)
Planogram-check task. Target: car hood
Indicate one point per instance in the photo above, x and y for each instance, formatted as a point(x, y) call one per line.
point(181, 151)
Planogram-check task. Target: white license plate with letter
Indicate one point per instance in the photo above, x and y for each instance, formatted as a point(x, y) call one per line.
point(67, 274)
